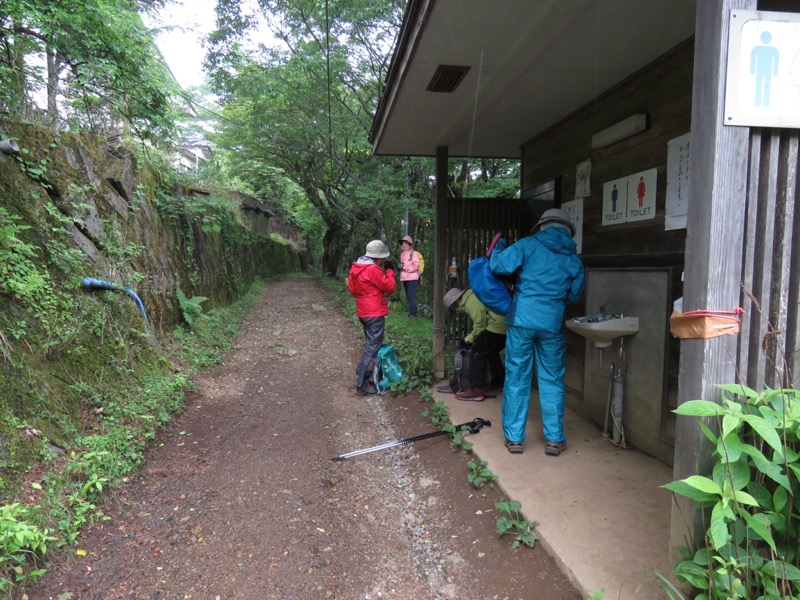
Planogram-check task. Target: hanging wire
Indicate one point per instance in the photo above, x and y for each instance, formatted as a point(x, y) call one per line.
point(475, 106)
point(469, 157)
point(328, 69)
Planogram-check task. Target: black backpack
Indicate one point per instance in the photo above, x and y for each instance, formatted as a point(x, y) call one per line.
point(460, 379)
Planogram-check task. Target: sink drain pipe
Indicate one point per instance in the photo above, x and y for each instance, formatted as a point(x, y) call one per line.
point(615, 399)
point(99, 284)
point(616, 410)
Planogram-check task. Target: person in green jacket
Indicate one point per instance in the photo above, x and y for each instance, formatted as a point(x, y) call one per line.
point(486, 340)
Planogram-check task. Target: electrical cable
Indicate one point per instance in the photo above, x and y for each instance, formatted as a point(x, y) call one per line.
point(328, 69)
point(209, 111)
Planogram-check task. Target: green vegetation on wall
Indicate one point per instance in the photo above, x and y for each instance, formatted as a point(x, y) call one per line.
point(75, 207)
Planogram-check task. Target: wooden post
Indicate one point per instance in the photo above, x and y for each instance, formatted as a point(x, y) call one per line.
point(440, 262)
point(715, 232)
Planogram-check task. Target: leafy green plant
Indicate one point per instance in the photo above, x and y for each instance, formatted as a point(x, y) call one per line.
point(190, 308)
point(479, 474)
point(413, 351)
point(751, 497)
point(21, 279)
point(437, 413)
point(36, 170)
point(22, 544)
point(18, 274)
point(458, 440)
point(514, 524)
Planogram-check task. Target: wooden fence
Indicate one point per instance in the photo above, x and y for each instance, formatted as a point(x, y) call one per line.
point(471, 224)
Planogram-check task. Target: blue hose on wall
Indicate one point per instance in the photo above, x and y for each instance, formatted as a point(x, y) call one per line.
point(99, 284)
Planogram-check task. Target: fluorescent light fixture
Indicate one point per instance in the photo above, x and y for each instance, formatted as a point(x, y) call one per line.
point(630, 126)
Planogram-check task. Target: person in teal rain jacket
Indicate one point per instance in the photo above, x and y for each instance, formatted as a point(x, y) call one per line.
point(549, 275)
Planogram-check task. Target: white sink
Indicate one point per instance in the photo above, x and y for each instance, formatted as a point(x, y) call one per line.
point(603, 329)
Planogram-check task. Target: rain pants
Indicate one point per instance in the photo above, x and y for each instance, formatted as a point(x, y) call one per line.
point(549, 275)
point(369, 285)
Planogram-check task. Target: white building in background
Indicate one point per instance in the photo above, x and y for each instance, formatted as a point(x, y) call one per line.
point(191, 157)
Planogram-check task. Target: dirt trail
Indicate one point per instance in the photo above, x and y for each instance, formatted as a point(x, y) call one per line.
point(240, 499)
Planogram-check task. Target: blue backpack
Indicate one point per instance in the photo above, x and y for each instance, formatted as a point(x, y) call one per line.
point(388, 366)
point(494, 292)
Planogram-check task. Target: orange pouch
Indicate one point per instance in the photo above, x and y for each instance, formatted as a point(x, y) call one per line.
point(705, 323)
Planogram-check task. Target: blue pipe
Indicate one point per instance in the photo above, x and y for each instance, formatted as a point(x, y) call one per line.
point(90, 282)
point(136, 299)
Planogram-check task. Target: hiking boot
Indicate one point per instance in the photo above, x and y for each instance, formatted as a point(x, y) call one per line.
point(514, 447)
point(474, 394)
point(554, 448)
point(366, 390)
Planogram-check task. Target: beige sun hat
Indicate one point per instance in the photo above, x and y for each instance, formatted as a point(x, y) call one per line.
point(451, 296)
point(377, 249)
point(555, 216)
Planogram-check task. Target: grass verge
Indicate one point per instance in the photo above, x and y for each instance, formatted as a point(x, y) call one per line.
point(64, 493)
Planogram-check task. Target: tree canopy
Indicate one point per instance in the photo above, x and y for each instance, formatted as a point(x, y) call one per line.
point(304, 103)
point(84, 64)
point(297, 81)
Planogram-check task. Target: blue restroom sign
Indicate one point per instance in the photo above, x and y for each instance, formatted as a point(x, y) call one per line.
point(615, 202)
point(762, 88)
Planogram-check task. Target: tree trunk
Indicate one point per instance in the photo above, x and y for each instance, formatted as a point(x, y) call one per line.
point(52, 85)
point(335, 239)
point(20, 85)
point(333, 244)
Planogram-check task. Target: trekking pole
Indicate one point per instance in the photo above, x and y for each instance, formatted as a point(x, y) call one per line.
point(474, 427)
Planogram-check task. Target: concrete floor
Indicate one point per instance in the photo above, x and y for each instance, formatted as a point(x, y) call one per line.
point(600, 511)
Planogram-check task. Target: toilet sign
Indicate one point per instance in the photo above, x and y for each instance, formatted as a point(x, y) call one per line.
point(631, 198)
point(762, 88)
point(615, 201)
point(642, 195)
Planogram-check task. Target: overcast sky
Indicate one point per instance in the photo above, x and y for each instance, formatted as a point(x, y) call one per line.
point(182, 47)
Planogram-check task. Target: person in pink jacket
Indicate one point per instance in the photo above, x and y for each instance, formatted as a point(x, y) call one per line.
point(371, 279)
point(409, 273)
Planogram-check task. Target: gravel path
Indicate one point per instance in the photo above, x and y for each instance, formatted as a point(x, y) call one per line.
point(240, 499)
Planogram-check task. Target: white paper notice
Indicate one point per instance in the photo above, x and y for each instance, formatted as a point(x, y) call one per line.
point(575, 211)
point(677, 182)
point(583, 179)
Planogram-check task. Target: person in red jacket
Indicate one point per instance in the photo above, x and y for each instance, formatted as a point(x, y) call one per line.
point(371, 279)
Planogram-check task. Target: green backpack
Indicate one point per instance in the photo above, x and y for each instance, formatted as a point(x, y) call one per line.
point(390, 369)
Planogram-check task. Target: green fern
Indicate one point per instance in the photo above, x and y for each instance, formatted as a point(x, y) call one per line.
point(191, 308)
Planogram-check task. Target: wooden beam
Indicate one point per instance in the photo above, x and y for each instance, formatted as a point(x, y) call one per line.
point(440, 262)
point(715, 232)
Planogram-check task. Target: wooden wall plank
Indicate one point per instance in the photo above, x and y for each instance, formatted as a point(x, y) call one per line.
point(714, 246)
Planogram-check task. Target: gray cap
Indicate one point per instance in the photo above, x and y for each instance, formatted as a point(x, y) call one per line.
point(377, 249)
point(555, 216)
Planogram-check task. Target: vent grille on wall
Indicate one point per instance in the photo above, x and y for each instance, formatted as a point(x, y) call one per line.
point(447, 78)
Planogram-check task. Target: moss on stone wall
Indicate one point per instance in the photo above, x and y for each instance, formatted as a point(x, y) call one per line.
point(77, 206)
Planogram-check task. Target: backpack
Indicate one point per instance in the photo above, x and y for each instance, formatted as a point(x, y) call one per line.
point(387, 370)
point(421, 267)
point(491, 290)
point(460, 379)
